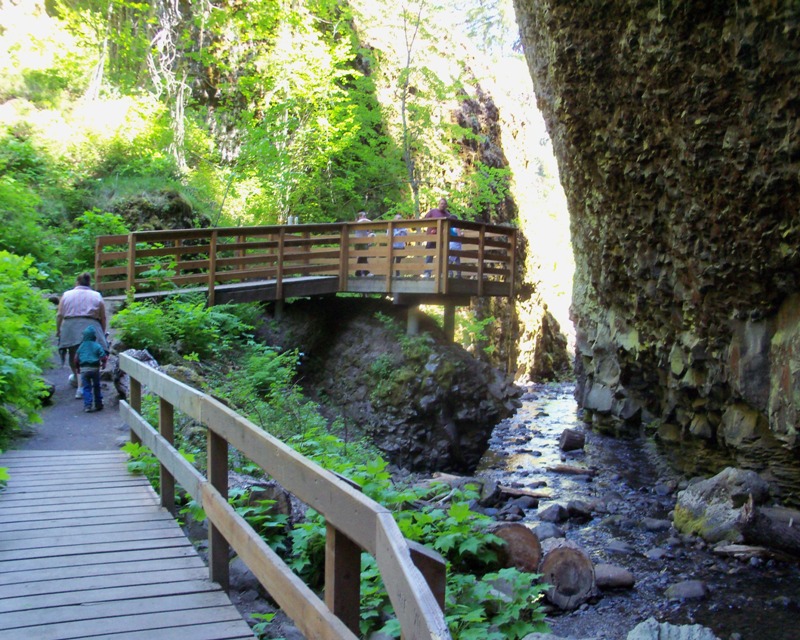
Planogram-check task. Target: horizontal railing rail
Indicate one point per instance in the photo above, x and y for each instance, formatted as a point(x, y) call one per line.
point(439, 249)
point(414, 576)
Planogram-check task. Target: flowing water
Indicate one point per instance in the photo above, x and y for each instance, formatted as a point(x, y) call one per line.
point(633, 493)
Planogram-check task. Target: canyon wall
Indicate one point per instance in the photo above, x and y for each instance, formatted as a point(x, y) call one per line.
point(676, 125)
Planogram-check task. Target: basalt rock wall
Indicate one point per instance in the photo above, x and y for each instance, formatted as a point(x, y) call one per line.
point(677, 129)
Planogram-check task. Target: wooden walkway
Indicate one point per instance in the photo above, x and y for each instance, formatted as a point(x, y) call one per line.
point(87, 552)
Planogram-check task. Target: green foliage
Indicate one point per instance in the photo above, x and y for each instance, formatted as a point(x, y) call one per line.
point(79, 245)
point(27, 322)
point(261, 515)
point(182, 327)
point(472, 331)
point(502, 605)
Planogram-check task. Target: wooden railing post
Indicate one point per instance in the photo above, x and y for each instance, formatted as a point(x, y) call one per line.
point(343, 577)
point(131, 261)
point(512, 263)
point(218, 548)
point(212, 267)
point(166, 427)
point(481, 253)
point(344, 256)
point(135, 400)
point(279, 278)
point(440, 242)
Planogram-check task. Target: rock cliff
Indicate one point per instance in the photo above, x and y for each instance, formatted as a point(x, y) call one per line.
point(427, 404)
point(677, 129)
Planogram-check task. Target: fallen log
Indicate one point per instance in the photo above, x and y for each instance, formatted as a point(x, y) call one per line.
point(568, 469)
point(531, 493)
point(571, 440)
point(521, 550)
point(570, 571)
point(772, 527)
point(746, 552)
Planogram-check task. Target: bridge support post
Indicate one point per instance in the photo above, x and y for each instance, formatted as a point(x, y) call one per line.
point(450, 321)
point(278, 309)
point(412, 324)
point(166, 427)
point(218, 547)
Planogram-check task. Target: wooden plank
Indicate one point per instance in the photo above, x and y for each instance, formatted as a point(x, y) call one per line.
point(81, 529)
point(121, 567)
point(56, 543)
point(109, 593)
point(137, 513)
point(18, 555)
point(29, 589)
point(179, 605)
point(206, 631)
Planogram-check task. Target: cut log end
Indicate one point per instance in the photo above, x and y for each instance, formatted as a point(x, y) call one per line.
point(571, 573)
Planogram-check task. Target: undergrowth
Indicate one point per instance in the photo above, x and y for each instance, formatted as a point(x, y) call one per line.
point(483, 599)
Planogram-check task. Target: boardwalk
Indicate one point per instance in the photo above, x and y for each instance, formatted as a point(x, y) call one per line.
point(86, 552)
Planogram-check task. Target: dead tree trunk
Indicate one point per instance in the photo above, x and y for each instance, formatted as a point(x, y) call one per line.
point(773, 527)
point(571, 572)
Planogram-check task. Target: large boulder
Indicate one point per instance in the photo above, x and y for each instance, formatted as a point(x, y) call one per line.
point(711, 508)
point(426, 403)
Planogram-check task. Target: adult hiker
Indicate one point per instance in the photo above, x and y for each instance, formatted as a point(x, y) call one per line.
point(79, 308)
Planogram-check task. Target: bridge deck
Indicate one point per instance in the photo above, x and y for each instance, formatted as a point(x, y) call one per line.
point(87, 552)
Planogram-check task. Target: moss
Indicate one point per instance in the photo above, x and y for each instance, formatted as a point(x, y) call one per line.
point(686, 522)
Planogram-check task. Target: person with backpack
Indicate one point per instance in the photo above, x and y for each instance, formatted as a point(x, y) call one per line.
point(90, 359)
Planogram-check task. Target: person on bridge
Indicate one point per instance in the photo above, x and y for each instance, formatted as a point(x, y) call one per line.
point(440, 211)
point(399, 245)
point(89, 359)
point(79, 308)
point(362, 233)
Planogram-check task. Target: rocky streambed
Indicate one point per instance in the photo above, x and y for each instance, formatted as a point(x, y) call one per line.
point(625, 520)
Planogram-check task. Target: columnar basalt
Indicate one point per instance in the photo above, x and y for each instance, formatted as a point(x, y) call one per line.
point(677, 129)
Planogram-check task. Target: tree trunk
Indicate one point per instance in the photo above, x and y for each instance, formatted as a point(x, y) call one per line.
point(773, 527)
point(522, 549)
point(571, 440)
point(571, 573)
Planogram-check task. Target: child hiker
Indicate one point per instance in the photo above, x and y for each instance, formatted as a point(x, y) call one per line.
point(90, 358)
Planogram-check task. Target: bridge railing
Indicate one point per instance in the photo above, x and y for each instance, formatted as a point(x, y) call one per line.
point(439, 249)
point(414, 576)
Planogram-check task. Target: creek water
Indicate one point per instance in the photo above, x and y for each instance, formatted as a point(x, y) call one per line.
point(632, 493)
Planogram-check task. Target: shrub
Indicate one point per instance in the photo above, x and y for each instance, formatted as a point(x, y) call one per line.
point(26, 323)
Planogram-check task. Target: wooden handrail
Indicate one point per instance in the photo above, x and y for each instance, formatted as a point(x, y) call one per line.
point(216, 256)
point(354, 521)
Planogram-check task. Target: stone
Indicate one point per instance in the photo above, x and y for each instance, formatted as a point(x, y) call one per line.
point(554, 513)
point(688, 590)
point(610, 576)
point(654, 524)
point(651, 629)
point(711, 508)
point(548, 530)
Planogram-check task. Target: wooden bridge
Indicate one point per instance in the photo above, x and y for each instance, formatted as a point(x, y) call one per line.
point(442, 261)
point(85, 552)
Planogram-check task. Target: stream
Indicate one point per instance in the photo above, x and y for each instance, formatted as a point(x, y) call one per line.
point(632, 493)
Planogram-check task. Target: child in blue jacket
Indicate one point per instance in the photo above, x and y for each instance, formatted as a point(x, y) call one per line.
point(90, 358)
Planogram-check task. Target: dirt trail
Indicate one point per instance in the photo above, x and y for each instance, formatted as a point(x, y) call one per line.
point(64, 424)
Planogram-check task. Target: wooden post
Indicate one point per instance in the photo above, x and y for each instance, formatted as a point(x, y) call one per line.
point(212, 267)
point(481, 240)
point(131, 261)
point(279, 279)
point(218, 548)
point(450, 321)
point(437, 260)
point(512, 265)
point(432, 567)
point(344, 256)
point(343, 578)
point(412, 322)
point(166, 427)
point(135, 400)
point(98, 250)
point(390, 255)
